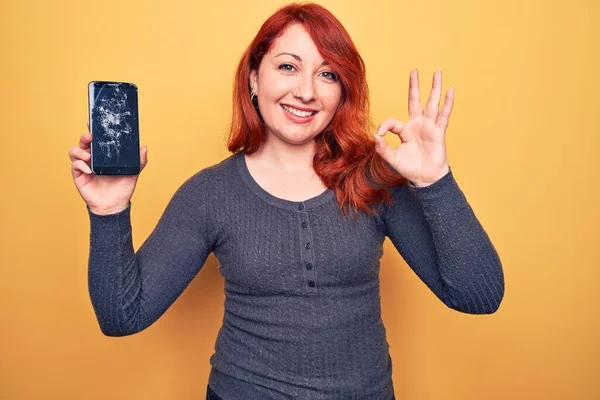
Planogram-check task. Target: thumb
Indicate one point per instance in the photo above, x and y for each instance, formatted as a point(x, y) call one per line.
point(383, 149)
point(143, 157)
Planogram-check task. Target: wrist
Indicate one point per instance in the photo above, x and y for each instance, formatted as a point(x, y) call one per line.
point(435, 177)
point(98, 210)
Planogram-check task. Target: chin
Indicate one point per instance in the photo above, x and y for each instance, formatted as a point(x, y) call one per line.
point(295, 137)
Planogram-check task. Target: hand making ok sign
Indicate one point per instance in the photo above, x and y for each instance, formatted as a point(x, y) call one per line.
point(421, 157)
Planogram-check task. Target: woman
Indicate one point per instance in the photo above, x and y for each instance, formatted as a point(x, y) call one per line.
point(302, 310)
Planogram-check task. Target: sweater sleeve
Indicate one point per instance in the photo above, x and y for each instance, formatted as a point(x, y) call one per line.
point(130, 291)
point(441, 239)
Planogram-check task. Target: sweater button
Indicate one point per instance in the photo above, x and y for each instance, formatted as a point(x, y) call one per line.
point(300, 206)
point(311, 283)
point(307, 245)
point(308, 266)
point(304, 224)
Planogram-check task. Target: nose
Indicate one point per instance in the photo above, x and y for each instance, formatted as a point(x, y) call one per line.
point(306, 89)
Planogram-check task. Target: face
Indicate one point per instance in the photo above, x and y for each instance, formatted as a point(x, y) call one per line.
point(297, 92)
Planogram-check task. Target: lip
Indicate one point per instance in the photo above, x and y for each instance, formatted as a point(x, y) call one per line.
point(299, 120)
point(298, 108)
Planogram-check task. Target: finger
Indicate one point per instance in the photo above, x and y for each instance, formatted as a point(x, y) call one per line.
point(77, 153)
point(414, 99)
point(85, 140)
point(78, 167)
point(392, 125)
point(433, 104)
point(442, 120)
point(383, 149)
point(143, 157)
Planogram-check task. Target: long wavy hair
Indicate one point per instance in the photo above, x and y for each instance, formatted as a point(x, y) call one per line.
point(345, 157)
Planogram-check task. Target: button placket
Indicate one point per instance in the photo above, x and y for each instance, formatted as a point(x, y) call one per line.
point(306, 249)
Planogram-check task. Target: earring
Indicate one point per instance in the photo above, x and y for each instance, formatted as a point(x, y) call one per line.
point(252, 94)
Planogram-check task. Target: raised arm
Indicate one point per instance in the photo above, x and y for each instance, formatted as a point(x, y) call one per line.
point(130, 291)
point(438, 235)
point(431, 224)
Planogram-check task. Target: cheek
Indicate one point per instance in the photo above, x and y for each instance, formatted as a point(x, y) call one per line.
point(275, 88)
point(331, 98)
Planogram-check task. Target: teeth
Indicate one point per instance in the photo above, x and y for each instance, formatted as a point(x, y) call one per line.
point(298, 112)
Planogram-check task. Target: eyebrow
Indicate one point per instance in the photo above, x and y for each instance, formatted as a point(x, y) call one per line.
point(297, 57)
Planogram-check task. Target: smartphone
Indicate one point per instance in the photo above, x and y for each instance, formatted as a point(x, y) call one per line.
point(114, 125)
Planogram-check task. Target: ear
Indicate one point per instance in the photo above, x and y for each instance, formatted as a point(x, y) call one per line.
point(254, 79)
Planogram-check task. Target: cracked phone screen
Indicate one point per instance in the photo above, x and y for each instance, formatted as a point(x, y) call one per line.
point(114, 120)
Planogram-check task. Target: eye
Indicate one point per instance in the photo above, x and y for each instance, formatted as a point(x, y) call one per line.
point(330, 76)
point(286, 67)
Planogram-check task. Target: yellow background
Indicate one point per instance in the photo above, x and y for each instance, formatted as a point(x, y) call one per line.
point(523, 142)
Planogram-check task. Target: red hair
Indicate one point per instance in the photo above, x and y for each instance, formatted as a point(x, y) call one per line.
point(345, 157)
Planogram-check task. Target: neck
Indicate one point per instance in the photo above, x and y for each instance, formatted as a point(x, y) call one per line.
point(286, 157)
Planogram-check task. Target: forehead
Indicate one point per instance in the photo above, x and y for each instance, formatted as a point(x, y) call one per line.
point(295, 39)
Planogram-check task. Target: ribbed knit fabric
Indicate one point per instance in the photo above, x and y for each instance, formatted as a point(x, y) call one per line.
point(302, 308)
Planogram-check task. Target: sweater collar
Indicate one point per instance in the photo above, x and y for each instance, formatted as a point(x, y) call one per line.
point(242, 167)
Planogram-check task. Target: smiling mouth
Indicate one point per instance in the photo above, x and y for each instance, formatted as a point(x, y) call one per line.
point(298, 113)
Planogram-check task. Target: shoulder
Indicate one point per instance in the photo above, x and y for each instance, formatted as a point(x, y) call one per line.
point(398, 197)
point(212, 175)
point(201, 194)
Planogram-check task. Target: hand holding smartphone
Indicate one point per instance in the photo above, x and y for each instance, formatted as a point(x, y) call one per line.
point(107, 162)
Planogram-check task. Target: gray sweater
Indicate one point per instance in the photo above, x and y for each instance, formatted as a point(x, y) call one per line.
point(302, 302)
